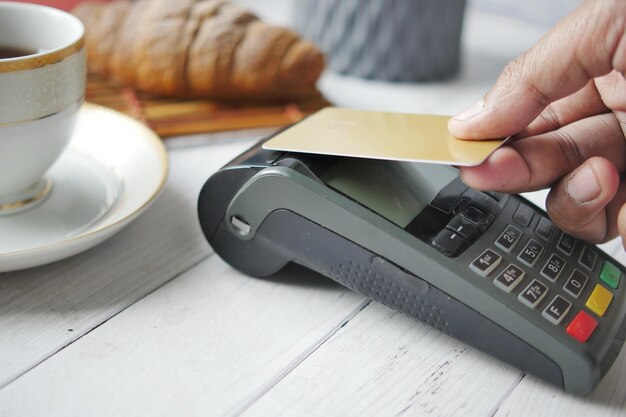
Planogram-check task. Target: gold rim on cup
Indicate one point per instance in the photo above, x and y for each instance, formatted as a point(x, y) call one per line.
point(35, 198)
point(42, 59)
point(77, 104)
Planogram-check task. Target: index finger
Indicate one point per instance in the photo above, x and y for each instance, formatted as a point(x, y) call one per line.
point(539, 161)
point(589, 43)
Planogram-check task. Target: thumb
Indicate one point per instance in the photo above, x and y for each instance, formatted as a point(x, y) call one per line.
point(588, 43)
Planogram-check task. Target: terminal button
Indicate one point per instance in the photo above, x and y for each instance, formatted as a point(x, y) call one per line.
point(575, 283)
point(599, 300)
point(530, 253)
point(566, 244)
point(610, 274)
point(533, 294)
point(473, 214)
point(508, 238)
point(588, 258)
point(553, 268)
point(544, 228)
point(448, 242)
point(486, 262)
point(523, 215)
point(582, 326)
point(556, 310)
point(461, 226)
point(509, 278)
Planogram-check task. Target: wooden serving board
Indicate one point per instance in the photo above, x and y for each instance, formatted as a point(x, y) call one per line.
point(173, 117)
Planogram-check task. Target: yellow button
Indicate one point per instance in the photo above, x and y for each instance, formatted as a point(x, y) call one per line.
point(599, 300)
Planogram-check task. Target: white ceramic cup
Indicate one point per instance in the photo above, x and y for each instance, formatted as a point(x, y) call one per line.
point(40, 95)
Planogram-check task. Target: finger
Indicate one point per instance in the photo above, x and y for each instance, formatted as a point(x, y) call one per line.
point(539, 161)
point(621, 224)
point(588, 43)
point(601, 95)
point(577, 203)
point(612, 90)
point(584, 103)
point(613, 209)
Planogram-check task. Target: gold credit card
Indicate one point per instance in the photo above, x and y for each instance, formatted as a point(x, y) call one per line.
point(376, 135)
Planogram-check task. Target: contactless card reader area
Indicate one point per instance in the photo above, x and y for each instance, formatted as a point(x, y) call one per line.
point(487, 268)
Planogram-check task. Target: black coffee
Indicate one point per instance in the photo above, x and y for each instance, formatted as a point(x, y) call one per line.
point(12, 52)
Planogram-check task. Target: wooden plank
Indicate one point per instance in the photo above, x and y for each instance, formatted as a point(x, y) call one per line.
point(201, 345)
point(533, 397)
point(44, 309)
point(170, 117)
point(383, 363)
point(243, 121)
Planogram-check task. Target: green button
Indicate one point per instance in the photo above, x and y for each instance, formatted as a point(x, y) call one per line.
point(610, 274)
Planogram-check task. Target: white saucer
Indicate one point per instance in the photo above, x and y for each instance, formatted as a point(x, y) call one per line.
point(112, 170)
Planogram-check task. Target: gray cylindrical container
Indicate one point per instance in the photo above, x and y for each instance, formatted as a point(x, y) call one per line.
point(394, 40)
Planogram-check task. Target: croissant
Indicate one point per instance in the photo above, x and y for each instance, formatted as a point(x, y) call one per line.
point(197, 48)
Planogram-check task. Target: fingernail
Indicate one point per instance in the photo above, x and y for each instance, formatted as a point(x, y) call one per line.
point(472, 111)
point(583, 186)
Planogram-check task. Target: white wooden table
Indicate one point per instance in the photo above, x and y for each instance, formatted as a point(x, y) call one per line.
point(153, 323)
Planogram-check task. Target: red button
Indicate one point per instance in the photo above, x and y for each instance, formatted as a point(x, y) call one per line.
point(582, 326)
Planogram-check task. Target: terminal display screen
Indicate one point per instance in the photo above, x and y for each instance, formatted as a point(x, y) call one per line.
point(396, 190)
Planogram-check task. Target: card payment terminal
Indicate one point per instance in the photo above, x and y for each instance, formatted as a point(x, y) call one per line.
point(487, 268)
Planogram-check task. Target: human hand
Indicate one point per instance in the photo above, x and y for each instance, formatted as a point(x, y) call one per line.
point(564, 101)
